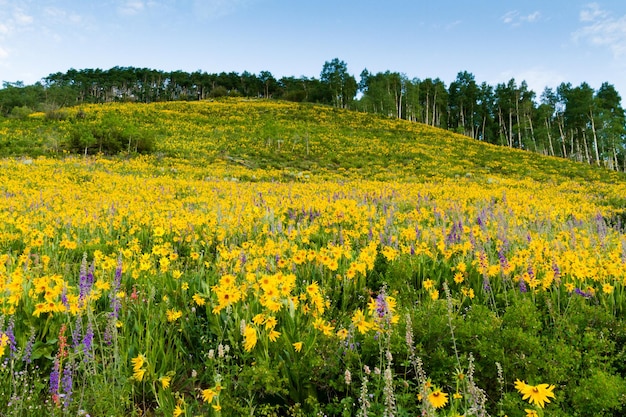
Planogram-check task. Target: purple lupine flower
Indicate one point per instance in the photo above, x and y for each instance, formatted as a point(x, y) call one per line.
point(472, 239)
point(504, 263)
point(118, 273)
point(382, 310)
point(556, 270)
point(85, 281)
point(381, 305)
point(66, 384)
point(486, 285)
point(87, 341)
point(11, 335)
point(582, 293)
point(453, 236)
point(28, 349)
point(479, 221)
point(54, 378)
point(522, 286)
point(64, 299)
point(109, 330)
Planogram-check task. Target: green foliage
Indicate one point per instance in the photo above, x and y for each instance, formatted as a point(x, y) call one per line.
point(21, 112)
point(599, 394)
point(109, 135)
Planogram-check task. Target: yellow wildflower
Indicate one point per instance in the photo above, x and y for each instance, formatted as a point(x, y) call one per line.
point(438, 398)
point(274, 335)
point(4, 341)
point(138, 361)
point(197, 298)
point(249, 338)
point(342, 334)
point(165, 381)
point(208, 394)
point(537, 394)
point(173, 315)
point(359, 321)
point(270, 322)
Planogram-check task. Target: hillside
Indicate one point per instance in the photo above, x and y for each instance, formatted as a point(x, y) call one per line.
point(248, 138)
point(307, 260)
point(260, 140)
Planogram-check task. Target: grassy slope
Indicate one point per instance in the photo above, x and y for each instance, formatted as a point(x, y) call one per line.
point(261, 135)
point(252, 137)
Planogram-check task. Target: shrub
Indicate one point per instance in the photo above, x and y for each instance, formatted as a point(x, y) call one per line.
point(21, 112)
point(110, 135)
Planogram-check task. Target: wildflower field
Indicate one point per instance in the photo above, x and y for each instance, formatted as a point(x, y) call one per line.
point(273, 259)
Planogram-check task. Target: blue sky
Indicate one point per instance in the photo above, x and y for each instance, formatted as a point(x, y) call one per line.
point(544, 42)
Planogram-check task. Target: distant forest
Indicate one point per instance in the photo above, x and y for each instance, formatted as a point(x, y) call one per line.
point(575, 122)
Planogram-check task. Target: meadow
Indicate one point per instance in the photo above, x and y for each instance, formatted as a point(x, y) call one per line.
point(274, 259)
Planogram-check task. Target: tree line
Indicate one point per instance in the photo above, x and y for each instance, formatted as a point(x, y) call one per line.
point(576, 122)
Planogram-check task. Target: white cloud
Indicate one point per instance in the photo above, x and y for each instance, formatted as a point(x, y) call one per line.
point(509, 17)
point(13, 19)
point(533, 17)
point(131, 7)
point(63, 16)
point(22, 18)
point(592, 12)
point(515, 18)
point(602, 28)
